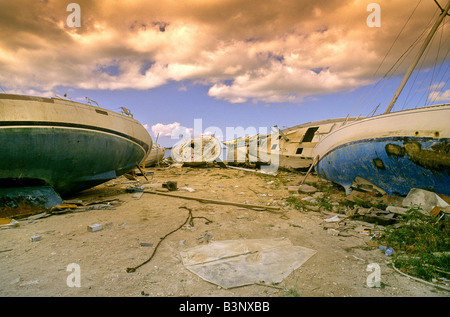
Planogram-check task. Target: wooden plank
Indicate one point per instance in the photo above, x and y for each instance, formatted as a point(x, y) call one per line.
point(213, 201)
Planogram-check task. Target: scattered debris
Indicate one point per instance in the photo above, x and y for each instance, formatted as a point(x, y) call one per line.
point(189, 189)
point(138, 195)
point(333, 219)
point(234, 263)
point(362, 184)
point(213, 201)
point(6, 223)
point(307, 189)
point(171, 186)
point(425, 199)
point(190, 219)
point(35, 238)
point(94, 227)
point(397, 210)
point(387, 251)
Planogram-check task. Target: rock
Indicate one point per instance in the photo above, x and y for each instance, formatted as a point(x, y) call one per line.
point(363, 211)
point(350, 212)
point(333, 232)
point(94, 227)
point(397, 210)
point(318, 195)
point(35, 238)
point(309, 199)
point(425, 199)
point(293, 189)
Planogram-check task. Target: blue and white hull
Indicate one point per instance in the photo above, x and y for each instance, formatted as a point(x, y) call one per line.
point(396, 151)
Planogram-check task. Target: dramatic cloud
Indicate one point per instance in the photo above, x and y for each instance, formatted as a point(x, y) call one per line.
point(266, 51)
point(174, 130)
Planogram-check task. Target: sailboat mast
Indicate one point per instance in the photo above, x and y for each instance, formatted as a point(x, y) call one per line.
point(418, 56)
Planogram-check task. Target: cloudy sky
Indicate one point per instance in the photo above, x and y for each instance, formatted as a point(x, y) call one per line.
point(230, 63)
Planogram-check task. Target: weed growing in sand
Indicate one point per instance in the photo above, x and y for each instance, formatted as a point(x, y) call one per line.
point(422, 244)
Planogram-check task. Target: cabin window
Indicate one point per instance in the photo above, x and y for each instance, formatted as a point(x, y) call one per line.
point(299, 150)
point(309, 135)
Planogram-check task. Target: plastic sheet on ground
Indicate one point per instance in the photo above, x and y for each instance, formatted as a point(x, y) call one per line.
point(233, 263)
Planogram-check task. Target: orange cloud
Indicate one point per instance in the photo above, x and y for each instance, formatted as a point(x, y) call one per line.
point(266, 51)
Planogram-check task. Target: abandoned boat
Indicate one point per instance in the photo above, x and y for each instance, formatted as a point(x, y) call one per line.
point(65, 145)
point(154, 156)
point(197, 151)
point(396, 151)
point(296, 144)
point(288, 148)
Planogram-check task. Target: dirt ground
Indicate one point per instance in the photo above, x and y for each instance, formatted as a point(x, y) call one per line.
point(131, 231)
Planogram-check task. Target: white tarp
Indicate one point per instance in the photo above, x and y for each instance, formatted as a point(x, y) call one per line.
point(233, 263)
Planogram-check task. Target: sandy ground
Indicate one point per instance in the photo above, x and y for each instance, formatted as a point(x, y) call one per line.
point(132, 230)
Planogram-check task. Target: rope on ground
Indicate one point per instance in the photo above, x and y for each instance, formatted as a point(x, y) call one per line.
point(189, 219)
point(419, 280)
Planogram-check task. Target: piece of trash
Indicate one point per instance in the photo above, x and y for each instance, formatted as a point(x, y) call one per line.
point(6, 223)
point(309, 199)
point(205, 238)
point(233, 263)
point(189, 189)
point(171, 186)
point(28, 283)
point(144, 244)
point(365, 185)
point(63, 207)
point(137, 195)
point(387, 251)
point(35, 238)
point(94, 227)
point(333, 219)
point(269, 183)
point(376, 236)
point(333, 232)
point(134, 189)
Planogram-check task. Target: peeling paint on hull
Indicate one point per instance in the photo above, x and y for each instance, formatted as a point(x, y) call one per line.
point(395, 164)
point(66, 145)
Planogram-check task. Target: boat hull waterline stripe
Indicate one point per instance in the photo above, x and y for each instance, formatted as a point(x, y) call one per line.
point(72, 125)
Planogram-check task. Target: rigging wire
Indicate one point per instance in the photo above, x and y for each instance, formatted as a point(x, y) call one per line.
point(414, 44)
point(360, 100)
point(433, 94)
point(416, 75)
point(434, 68)
point(393, 69)
point(427, 92)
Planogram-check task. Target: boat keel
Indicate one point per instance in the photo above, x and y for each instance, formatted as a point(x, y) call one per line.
point(20, 202)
